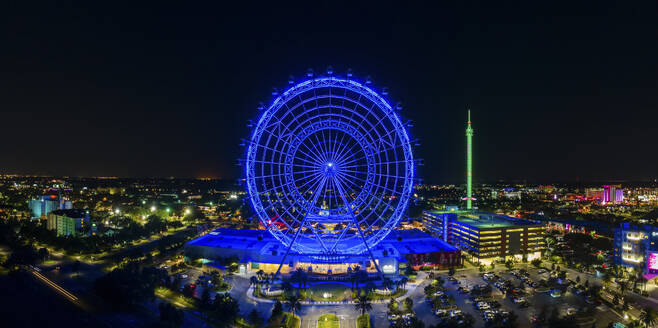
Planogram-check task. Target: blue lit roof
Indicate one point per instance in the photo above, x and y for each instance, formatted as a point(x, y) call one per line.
point(269, 250)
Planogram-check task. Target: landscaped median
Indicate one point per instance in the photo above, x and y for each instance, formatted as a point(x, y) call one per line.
point(292, 321)
point(328, 320)
point(363, 321)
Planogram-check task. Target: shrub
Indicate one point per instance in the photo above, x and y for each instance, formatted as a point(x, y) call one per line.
point(363, 321)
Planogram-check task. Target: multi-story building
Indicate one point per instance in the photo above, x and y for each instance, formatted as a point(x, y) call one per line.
point(486, 237)
point(636, 247)
point(67, 222)
point(594, 193)
point(43, 205)
point(612, 194)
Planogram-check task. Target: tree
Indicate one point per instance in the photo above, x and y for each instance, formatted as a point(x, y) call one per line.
point(509, 265)
point(277, 309)
point(623, 287)
point(408, 303)
point(125, 287)
point(225, 310)
point(171, 315)
point(403, 281)
point(43, 254)
point(294, 303)
point(205, 298)
point(255, 318)
point(578, 279)
point(253, 280)
point(392, 305)
point(451, 272)
point(363, 304)
point(648, 317)
point(536, 263)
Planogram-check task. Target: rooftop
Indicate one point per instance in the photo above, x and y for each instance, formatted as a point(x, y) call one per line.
point(71, 213)
point(398, 242)
point(486, 220)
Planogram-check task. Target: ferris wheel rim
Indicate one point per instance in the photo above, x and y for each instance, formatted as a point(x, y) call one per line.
point(255, 193)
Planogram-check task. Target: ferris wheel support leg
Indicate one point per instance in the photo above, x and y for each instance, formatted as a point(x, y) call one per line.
point(283, 260)
point(358, 228)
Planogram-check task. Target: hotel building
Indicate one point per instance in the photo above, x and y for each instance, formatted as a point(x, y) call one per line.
point(486, 237)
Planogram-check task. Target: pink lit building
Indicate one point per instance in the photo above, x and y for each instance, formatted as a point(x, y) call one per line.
point(612, 194)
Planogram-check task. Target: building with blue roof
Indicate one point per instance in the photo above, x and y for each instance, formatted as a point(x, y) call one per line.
point(257, 250)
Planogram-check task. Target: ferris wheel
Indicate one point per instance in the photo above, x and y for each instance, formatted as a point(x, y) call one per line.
point(329, 167)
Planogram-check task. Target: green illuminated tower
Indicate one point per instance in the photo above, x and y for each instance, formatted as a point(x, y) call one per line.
point(469, 164)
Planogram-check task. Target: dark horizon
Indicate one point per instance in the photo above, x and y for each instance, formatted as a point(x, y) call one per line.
point(557, 93)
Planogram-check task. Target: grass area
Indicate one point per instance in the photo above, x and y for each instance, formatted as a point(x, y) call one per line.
point(398, 292)
point(175, 298)
point(329, 292)
point(49, 262)
point(328, 320)
point(363, 321)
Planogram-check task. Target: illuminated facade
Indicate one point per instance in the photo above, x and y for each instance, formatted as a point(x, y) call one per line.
point(486, 236)
point(44, 205)
point(612, 194)
point(67, 222)
point(636, 247)
point(257, 250)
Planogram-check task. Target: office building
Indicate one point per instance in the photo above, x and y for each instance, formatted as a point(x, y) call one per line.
point(486, 237)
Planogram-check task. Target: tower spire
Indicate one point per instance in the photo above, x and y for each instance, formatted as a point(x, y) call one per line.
point(469, 164)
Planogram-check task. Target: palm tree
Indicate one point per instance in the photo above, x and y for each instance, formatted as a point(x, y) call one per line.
point(623, 286)
point(403, 281)
point(363, 304)
point(648, 317)
point(607, 278)
point(294, 303)
point(298, 276)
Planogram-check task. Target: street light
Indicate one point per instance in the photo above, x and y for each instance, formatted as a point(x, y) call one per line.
point(117, 211)
point(152, 208)
point(187, 211)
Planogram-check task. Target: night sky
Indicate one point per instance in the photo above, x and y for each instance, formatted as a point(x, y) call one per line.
point(558, 91)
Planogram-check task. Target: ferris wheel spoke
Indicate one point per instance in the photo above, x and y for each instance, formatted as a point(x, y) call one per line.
point(342, 184)
point(345, 150)
point(375, 153)
point(312, 181)
point(284, 141)
point(321, 154)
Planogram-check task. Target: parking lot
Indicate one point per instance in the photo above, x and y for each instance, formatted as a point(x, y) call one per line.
point(493, 296)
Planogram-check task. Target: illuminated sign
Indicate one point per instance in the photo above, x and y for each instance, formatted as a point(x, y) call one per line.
point(653, 261)
point(388, 268)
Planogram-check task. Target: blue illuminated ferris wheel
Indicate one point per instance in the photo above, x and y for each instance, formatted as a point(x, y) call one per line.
point(329, 167)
